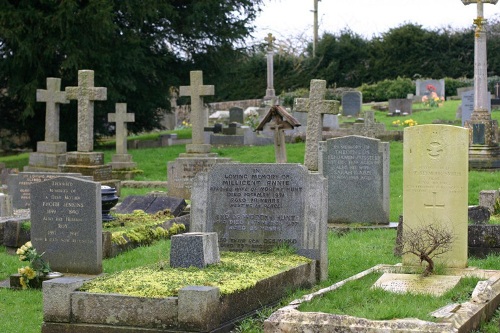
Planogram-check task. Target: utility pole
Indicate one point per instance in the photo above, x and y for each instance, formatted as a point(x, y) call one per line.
point(315, 37)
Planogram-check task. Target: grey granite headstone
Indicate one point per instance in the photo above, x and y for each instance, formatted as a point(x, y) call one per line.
point(357, 169)
point(194, 249)
point(236, 115)
point(66, 224)
point(330, 121)
point(404, 105)
point(256, 207)
point(19, 185)
point(467, 105)
point(351, 103)
point(421, 87)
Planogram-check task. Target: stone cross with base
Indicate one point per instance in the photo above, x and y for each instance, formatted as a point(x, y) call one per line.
point(196, 90)
point(86, 94)
point(52, 97)
point(121, 118)
point(270, 93)
point(315, 106)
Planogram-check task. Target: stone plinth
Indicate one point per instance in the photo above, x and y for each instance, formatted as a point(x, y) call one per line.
point(194, 249)
point(88, 164)
point(48, 157)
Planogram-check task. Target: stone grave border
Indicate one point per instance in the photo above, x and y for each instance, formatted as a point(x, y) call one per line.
point(468, 317)
point(196, 309)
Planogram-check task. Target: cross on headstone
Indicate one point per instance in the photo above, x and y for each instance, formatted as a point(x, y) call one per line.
point(315, 106)
point(86, 94)
point(434, 204)
point(121, 118)
point(270, 39)
point(196, 90)
point(52, 97)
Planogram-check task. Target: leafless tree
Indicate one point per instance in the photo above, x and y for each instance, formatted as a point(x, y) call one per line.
point(426, 243)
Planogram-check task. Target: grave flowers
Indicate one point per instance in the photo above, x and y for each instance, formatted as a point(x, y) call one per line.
point(37, 267)
point(431, 99)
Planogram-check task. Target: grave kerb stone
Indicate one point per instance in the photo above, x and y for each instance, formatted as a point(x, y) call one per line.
point(315, 106)
point(86, 94)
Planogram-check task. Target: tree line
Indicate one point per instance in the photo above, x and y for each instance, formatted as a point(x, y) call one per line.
point(140, 48)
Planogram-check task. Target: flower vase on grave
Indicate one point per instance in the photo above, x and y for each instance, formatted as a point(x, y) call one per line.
point(109, 200)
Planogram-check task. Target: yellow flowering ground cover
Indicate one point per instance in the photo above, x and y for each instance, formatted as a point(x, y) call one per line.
point(236, 271)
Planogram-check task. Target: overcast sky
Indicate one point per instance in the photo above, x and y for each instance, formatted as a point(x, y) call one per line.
point(286, 18)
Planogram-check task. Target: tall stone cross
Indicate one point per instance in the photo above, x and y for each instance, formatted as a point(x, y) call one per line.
point(52, 97)
point(315, 106)
point(86, 94)
point(196, 90)
point(121, 118)
point(270, 93)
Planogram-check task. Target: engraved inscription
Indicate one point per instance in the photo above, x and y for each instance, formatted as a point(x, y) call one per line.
point(353, 162)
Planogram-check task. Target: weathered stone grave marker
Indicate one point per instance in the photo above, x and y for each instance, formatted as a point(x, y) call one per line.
point(66, 224)
point(404, 105)
point(315, 106)
point(50, 152)
point(256, 207)
point(352, 102)
point(369, 127)
point(121, 160)
point(435, 186)
point(194, 249)
point(357, 169)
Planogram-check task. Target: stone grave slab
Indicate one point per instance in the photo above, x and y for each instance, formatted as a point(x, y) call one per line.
point(256, 207)
point(435, 186)
point(436, 285)
point(351, 103)
point(151, 204)
point(66, 224)
point(357, 169)
point(19, 185)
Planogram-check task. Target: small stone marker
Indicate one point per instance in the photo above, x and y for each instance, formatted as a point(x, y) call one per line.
point(196, 90)
point(121, 160)
point(357, 169)
point(236, 115)
point(369, 127)
point(194, 249)
point(435, 285)
point(435, 186)
point(256, 207)
point(404, 105)
point(66, 224)
point(5, 205)
point(86, 94)
point(19, 185)
point(352, 102)
point(315, 106)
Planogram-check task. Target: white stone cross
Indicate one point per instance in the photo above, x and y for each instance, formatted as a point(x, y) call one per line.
point(196, 90)
point(86, 94)
point(52, 97)
point(315, 106)
point(121, 118)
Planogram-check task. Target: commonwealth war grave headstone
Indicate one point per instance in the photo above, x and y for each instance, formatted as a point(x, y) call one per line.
point(256, 207)
point(357, 169)
point(435, 186)
point(351, 103)
point(66, 224)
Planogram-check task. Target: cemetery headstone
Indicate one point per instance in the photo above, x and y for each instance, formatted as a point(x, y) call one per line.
point(256, 207)
point(121, 160)
point(404, 105)
point(330, 122)
point(236, 115)
point(19, 185)
point(66, 224)
point(352, 102)
point(50, 152)
point(357, 169)
point(181, 172)
point(435, 186)
point(5, 205)
point(422, 87)
point(85, 160)
point(315, 106)
point(369, 127)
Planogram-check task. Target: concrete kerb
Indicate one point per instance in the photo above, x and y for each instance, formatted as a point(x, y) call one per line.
point(467, 317)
